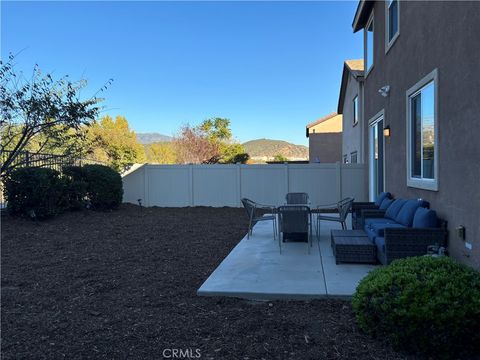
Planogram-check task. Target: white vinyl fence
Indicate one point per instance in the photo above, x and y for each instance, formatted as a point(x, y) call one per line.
point(224, 185)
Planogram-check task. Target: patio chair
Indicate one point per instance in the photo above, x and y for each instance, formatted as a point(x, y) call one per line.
point(294, 219)
point(251, 207)
point(344, 206)
point(298, 198)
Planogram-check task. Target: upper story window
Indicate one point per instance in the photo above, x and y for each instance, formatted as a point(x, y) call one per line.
point(355, 110)
point(353, 157)
point(392, 22)
point(369, 44)
point(345, 160)
point(422, 152)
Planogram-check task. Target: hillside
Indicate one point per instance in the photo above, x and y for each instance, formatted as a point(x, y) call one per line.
point(266, 149)
point(152, 137)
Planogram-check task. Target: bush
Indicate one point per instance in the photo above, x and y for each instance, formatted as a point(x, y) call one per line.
point(423, 304)
point(104, 186)
point(36, 192)
point(76, 186)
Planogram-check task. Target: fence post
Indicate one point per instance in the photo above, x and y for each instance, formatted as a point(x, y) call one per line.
point(287, 178)
point(190, 182)
point(146, 191)
point(27, 158)
point(239, 184)
point(338, 172)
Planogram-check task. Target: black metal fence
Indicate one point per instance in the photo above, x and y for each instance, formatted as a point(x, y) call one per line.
point(29, 159)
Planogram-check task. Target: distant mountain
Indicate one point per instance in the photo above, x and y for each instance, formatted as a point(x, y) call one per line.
point(266, 149)
point(152, 137)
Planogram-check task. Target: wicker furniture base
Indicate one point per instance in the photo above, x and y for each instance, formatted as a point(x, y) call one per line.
point(354, 249)
point(348, 233)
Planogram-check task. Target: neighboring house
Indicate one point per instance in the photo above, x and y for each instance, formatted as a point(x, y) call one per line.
point(325, 139)
point(422, 85)
point(350, 106)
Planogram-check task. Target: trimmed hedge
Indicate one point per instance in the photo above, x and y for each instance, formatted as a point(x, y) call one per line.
point(42, 192)
point(423, 304)
point(104, 186)
point(76, 187)
point(36, 192)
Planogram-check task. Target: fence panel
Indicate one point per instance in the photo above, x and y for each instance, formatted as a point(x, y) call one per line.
point(224, 185)
point(215, 185)
point(265, 184)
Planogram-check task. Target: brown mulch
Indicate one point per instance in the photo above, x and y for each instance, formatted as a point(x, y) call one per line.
point(122, 284)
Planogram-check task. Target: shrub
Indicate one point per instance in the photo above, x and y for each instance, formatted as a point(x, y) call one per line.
point(36, 193)
point(76, 186)
point(423, 304)
point(104, 186)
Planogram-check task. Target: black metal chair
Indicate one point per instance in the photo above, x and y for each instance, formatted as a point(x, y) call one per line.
point(298, 198)
point(294, 219)
point(344, 206)
point(251, 207)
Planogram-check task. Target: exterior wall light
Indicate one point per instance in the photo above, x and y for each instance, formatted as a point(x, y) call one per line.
point(386, 131)
point(384, 90)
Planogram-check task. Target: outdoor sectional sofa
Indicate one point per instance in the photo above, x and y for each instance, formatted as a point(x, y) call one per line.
point(358, 207)
point(405, 228)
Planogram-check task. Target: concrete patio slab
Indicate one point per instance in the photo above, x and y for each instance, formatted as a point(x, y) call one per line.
point(255, 269)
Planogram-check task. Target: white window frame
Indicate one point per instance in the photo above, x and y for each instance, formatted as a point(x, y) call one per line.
point(365, 43)
point(423, 183)
point(356, 111)
point(389, 43)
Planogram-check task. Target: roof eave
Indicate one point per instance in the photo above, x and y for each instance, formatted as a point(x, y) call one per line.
point(362, 14)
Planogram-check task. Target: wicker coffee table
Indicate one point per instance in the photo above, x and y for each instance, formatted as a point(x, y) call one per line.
point(354, 249)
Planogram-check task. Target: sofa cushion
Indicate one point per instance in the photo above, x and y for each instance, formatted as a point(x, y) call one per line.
point(425, 218)
point(407, 212)
point(385, 204)
point(370, 233)
point(394, 208)
point(379, 229)
point(370, 221)
point(380, 242)
point(381, 197)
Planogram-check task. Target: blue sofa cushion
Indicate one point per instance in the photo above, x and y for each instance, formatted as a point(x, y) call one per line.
point(370, 233)
point(385, 204)
point(407, 212)
point(370, 221)
point(381, 197)
point(380, 242)
point(394, 209)
point(379, 229)
point(425, 218)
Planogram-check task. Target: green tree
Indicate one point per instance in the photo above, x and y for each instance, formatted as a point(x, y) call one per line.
point(113, 142)
point(160, 153)
point(41, 114)
point(279, 158)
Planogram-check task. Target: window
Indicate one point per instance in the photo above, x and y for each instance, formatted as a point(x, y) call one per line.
point(392, 22)
point(345, 161)
point(353, 157)
point(355, 110)
point(422, 153)
point(369, 45)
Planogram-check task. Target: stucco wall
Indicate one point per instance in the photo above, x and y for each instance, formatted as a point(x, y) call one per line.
point(352, 134)
point(326, 147)
point(332, 125)
point(443, 36)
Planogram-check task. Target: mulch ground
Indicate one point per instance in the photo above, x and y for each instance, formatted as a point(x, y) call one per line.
point(122, 284)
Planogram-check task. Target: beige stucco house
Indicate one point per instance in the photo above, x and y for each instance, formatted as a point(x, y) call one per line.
point(325, 139)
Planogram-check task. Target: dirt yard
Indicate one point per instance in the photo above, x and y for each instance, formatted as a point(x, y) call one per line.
point(122, 284)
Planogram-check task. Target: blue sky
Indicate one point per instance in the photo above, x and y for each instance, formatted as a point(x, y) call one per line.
point(270, 67)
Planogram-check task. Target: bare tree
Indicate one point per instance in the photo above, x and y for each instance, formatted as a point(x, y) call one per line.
point(41, 114)
point(193, 146)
